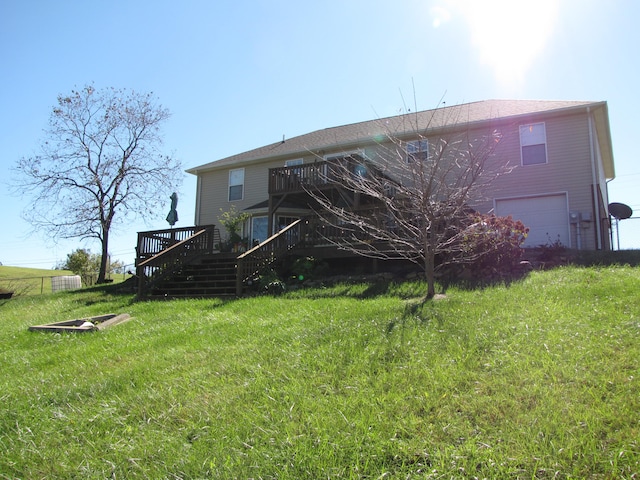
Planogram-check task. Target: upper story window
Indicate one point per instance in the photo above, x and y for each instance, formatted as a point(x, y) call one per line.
point(533, 144)
point(236, 184)
point(356, 156)
point(417, 150)
point(293, 163)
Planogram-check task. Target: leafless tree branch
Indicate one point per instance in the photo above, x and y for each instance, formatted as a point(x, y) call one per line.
point(99, 166)
point(409, 200)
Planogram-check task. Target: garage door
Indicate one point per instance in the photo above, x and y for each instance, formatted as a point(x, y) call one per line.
point(547, 217)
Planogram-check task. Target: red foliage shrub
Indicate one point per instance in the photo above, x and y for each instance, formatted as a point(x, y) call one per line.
point(489, 248)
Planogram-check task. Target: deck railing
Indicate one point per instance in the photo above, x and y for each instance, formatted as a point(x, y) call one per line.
point(317, 175)
point(164, 252)
point(153, 242)
point(317, 233)
point(259, 257)
point(304, 232)
point(153, 268)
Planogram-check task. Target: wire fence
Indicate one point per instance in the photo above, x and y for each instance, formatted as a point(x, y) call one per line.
point(35, 285)
point(26, 285)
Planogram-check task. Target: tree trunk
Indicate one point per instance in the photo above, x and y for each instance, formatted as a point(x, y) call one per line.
point(104, 258)
point(429, 271)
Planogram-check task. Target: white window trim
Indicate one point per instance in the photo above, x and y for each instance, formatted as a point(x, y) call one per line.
point(294, 162)
point(329, 156)
point(546, 153)
point(235, 185)
point(253, 219)
point(420, 149)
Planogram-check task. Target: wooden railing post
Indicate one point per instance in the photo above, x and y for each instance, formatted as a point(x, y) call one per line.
point(239, 276)
point(210, 237)
point(142, 283)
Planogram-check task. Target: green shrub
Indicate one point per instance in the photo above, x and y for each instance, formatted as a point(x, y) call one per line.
point(270, 282)
point(306, 268)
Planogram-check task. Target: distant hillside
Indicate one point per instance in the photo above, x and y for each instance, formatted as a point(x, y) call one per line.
point(28, 281)
point(22, 272)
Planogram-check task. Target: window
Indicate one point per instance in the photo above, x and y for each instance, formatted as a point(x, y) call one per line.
point(298, 172)
point(236, 184)
point(533, 144)
point(259, 229)
point(417, 150)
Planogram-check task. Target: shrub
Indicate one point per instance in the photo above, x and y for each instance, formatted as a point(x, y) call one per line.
point(490, 248)
point(233, 222)
point(551, 250)
point(269, 282)
point(306, 268)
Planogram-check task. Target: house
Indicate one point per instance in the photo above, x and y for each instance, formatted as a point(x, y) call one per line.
point(561, 151)
point(556, 158)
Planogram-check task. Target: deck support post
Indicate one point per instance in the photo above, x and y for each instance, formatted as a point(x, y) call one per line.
point(239, 275)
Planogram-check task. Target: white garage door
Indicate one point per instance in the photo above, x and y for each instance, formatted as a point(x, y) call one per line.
point(547, 217)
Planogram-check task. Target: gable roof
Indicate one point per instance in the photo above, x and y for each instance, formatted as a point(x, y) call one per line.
point(362, 133)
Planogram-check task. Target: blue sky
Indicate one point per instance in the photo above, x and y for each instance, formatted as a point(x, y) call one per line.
point(240, 74)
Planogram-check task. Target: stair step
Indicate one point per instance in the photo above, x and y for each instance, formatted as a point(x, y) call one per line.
point(211, 277)
point(183, 288)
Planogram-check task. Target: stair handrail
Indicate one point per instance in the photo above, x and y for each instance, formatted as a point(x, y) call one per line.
point(169, 260)
point(253, 261)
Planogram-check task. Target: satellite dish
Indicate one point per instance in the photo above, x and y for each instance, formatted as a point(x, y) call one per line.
point(620, 211)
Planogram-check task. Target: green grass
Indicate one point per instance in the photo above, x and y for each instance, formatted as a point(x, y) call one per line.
point(28, 281)
point(535, 380)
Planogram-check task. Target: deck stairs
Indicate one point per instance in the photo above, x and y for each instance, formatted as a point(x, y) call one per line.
point(190, 265)
point(212, 276)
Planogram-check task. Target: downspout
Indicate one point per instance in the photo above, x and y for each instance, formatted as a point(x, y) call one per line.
point(609, 216)
point(594, 185)
point(198, 187)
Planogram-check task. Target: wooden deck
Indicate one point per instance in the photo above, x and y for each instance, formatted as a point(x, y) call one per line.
point(187, 262)
point(153, 242)
point(163, 256)
point(318, 175)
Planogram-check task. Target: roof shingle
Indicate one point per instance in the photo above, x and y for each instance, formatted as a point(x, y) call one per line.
point(367, 131)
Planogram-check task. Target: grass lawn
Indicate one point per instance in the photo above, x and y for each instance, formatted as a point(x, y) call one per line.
point(535, 380)
point(28, 281)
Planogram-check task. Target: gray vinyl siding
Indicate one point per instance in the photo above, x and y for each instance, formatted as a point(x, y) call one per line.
point(214, 189)
point(568, 169)
point(212, 195)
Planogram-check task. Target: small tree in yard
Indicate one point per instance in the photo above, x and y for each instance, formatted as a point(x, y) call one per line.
point(99, 166)
point(422, 192)
point(86, 264)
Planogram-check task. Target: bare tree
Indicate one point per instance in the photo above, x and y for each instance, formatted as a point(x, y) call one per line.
point(413, 200)
point(99, 166)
